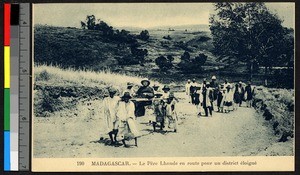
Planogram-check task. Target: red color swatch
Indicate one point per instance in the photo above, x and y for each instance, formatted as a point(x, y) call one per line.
point(6, 24)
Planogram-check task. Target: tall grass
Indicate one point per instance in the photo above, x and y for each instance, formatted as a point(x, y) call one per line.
point(57, 76)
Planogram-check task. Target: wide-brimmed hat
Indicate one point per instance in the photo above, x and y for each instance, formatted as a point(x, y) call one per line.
point(189, 80)
point(129, 84)
point(112, 90)
point(240, 82)
point(166, 87)
point(207, 83)
point(214, 77)
point(126, 95)
point(145, 79)
point(155, 86)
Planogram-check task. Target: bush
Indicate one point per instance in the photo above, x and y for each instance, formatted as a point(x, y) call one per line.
point(188, 65)
point(277, 106)
point(167, 37)
point(43, 76)
point(163, 63)
point(144, 35)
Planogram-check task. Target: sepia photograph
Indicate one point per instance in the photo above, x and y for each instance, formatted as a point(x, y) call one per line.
point(144, 80)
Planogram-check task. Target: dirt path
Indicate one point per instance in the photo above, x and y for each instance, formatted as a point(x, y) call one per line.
point(239, 133)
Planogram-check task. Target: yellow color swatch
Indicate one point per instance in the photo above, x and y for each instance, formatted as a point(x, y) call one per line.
point(6, 66)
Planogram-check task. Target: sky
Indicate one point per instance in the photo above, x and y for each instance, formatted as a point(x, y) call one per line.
point(142, 15)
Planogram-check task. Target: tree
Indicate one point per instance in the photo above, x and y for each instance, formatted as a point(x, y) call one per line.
point(200, 59)
point(186, 56)
point(90, 22)
point(83, 25)
point(104, 27)
point(246, 32)
point(192, 65)
point(163, 63)
point(170, 58)
point(144, 35)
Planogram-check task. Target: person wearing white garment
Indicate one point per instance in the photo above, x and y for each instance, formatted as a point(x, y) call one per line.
point(166, 92)
point(109, 110)
point(228, 98)
point(171, 114)
point(194, 92)
point(125, 116)
point(188, 91)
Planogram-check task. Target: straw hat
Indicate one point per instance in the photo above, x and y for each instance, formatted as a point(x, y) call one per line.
point(145, 79)
point(112, 90)
point(129, 84)
point(126, 95)
point(166, 87)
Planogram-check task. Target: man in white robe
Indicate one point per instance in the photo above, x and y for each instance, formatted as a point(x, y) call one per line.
point(109, 110)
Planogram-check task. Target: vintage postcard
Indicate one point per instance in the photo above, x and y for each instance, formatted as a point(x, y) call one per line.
point(163, 86)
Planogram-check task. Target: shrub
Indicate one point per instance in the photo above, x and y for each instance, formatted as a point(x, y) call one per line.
point(188, 65)
point(277, 106)
point(163, 63)
point(144, 35)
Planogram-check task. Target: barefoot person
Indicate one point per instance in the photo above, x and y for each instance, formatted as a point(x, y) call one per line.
point(171, 114)
point(109, 111)
point(220, 98)
point(236, 97)
point(228, 99)
point(188, 90)
point(126, 118)
point(207, 99)
point(249, 91)
point(158, 113)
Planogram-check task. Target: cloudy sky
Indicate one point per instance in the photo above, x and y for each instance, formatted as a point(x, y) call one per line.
point(143, 15)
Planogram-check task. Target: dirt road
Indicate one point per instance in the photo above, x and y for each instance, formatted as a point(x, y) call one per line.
point(239, 133)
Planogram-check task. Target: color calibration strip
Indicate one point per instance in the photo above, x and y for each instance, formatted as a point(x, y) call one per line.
point(7, 87)
point(11, 87)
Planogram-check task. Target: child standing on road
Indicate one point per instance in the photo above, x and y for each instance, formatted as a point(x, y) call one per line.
point(171, 114)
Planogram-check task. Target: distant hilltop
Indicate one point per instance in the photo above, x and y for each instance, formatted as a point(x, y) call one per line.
point(191, 27)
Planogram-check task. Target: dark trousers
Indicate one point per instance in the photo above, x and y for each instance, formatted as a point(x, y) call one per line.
point(208, 109)
point(193, 98)
point(140, 108)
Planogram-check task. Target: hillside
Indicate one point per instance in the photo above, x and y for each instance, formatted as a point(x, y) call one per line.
point(72, 47)
point(92, 50)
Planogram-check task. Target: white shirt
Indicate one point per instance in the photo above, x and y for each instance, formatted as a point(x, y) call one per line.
point(165, 95)
point(228, 96)
point(110, 106)
point(187, 88)
point(125, 110)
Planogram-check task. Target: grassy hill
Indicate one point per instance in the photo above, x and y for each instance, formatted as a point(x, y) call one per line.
point(72, 47)
point(75, 47)
point(92, 50)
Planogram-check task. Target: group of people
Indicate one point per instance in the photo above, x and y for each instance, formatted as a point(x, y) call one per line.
point(224, 97)
point(120, 112)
